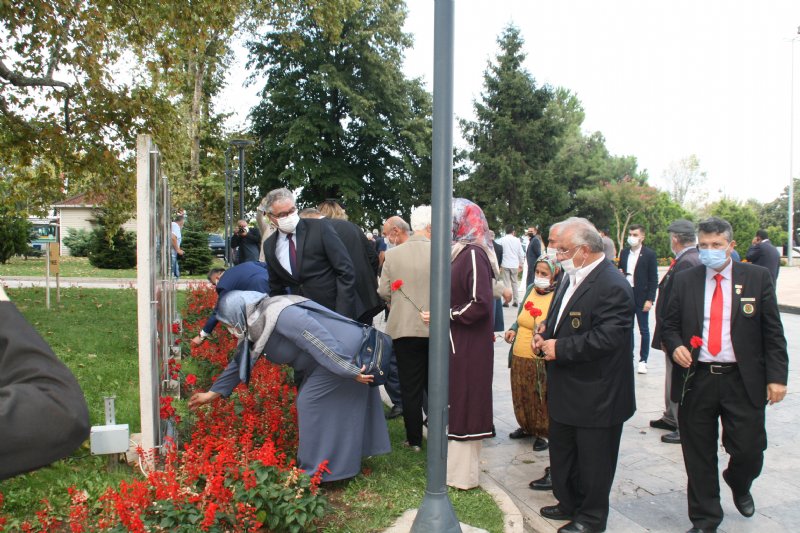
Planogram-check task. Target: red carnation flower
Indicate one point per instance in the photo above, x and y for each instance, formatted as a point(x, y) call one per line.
point(397, 284)
point(176, 328)
point(528, 306)
point(696, 342)
point(191, 379)
point(535, 312)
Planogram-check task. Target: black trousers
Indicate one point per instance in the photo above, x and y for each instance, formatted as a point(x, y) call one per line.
point(583, 462)
point(711, 397)
point(412, 365)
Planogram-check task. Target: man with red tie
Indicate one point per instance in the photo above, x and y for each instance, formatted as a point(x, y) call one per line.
point(724, 331)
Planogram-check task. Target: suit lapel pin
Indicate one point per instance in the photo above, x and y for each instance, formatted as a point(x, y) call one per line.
point(748, 309)
point(576, 319)
point(738, 289)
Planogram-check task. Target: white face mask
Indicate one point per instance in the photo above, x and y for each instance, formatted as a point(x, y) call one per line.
point(569, 265)
point(634, 241)
point(541, 283)
point(288, 223)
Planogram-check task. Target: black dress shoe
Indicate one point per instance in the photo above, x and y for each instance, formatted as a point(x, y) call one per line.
point(540, 444)
point(744, 502)
point(700, 530)
point(543, 483)
point(662, 424)
point(555, 512)
point(577, 527)
point(394, 412)
point(518, 433)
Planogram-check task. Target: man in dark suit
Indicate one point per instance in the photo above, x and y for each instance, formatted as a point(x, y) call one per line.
point(683, 244)
point(740, 365)
point(364, 256)
point(247, 241)
point(249, 276)
point(306, 257)
point(763, 253)
point(590, 390)
point(532, 253)
point(638, 263)
point(43, 413)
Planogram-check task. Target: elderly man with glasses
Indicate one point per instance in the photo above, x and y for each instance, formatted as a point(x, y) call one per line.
point(590, 390)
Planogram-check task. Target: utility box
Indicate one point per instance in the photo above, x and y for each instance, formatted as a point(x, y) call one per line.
point(109, 439)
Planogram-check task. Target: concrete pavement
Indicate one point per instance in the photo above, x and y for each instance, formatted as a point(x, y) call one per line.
point(649, 492)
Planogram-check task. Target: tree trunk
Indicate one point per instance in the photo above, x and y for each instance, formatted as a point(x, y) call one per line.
point(194, 120)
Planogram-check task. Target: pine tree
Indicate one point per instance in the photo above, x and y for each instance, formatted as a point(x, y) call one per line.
point(511, 143)
point(196, 253)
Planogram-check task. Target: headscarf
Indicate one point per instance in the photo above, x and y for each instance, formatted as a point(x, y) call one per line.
point(232, 311)
point(470, 227)
point(554, 268)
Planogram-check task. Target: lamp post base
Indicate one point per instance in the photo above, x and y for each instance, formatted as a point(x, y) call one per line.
point(436, 514)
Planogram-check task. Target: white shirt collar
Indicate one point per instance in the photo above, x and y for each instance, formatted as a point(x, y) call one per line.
point(584, 271)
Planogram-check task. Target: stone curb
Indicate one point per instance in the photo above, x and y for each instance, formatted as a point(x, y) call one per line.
point(512, 517)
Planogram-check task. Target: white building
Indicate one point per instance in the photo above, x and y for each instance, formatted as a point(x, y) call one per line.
point(78, 213)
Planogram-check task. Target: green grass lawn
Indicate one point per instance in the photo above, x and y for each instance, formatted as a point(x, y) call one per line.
point(78, 267)
point(94, 332)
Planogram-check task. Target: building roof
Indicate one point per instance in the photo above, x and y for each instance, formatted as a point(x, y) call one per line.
point(81, 200)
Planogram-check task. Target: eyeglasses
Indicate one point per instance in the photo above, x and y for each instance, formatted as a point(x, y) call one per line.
point(562, 251)
point(284, 214)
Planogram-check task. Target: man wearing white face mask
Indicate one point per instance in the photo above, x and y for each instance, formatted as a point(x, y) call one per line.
point(638, 264)
point(306, 257)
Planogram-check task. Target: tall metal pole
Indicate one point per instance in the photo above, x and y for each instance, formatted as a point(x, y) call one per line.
point(241, 182)
point(790, 232)
point(436, 512)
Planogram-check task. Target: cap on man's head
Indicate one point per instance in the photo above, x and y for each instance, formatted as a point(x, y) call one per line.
point(681, 226)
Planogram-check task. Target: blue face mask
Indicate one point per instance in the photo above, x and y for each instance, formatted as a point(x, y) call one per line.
point(713, 258)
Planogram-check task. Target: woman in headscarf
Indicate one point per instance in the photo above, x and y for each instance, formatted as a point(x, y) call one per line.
point(473, 265)
point(339, 417)
point(528, 376)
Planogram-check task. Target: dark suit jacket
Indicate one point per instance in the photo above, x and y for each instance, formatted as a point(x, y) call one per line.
point(590, 383)
point(249, 245)
point(43, 414)
point(766, 255)
point(645, 276)
point(325, 270)
point(531, 255)
point(688, 259)
point(758, 340)
point(249, 276)
point(365, 263)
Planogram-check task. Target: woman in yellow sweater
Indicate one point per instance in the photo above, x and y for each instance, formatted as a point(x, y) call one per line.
point(528, 374)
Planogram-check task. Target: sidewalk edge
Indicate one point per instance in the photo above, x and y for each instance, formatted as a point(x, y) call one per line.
point(512, 516)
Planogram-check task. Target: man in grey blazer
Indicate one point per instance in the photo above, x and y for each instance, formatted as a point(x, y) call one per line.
point(410, 264)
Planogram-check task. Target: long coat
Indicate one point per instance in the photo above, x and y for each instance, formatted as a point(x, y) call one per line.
point(471, 346)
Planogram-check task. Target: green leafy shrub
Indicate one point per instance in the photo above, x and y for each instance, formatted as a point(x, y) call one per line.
point(14, 236)
point(118, 252)
point(79, 241)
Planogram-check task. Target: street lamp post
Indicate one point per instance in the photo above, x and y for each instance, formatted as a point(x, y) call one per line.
point(790, 233)
point(230, 174)
point(436, 512)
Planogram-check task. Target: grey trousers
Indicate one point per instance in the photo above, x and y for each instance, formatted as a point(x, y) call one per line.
point(511, 281)
point(670, 408)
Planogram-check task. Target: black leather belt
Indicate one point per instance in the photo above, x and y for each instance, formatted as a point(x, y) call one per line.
point(717, 368)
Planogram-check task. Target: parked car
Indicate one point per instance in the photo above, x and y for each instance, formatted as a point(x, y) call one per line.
point(216, 244)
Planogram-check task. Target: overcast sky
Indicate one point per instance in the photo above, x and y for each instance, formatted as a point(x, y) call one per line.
point(660, 79)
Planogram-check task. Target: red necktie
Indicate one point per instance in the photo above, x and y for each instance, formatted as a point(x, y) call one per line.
point(292, 255)
point(715, 324)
